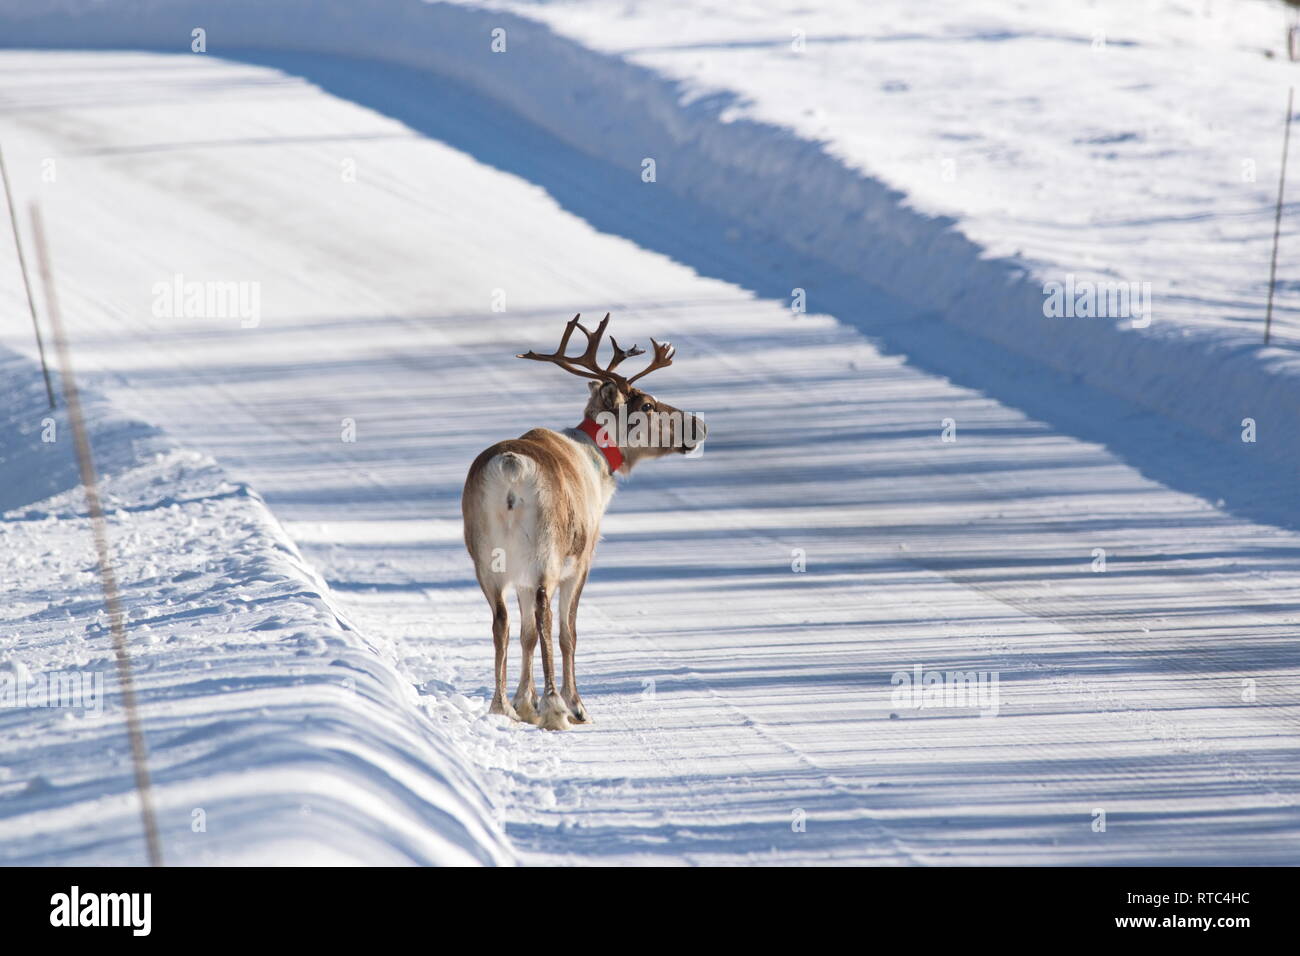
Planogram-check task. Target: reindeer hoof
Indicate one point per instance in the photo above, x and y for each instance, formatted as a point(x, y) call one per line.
point(526, 709)
point(555, 713)
point(578, 712)
point(502, 709)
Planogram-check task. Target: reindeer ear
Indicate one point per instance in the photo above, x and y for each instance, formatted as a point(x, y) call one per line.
point(607, 392)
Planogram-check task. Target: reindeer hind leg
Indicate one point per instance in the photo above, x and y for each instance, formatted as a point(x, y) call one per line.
point(555, 713)
point(525, 702)
point(500, 644)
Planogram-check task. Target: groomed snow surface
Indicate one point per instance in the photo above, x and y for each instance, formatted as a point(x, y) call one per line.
point(311, 651)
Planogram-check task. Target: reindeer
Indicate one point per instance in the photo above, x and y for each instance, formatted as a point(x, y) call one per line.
point(532, 507)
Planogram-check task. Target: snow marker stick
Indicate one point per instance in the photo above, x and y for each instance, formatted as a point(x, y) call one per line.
point(22, 265)
point(1277, 219)
point(107, 575)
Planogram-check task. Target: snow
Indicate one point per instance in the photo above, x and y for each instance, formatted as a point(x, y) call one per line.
point(274, 731)
point(733, 695)
point(963, 156)
point(1098, 138)
point(840, 153)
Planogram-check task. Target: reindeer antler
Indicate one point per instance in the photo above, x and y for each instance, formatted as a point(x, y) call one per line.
point(663, 358)
point(620, 354)
point(586, 365)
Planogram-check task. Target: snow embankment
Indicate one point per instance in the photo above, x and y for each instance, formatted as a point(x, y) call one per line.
point(724, 129)
point(275, 731)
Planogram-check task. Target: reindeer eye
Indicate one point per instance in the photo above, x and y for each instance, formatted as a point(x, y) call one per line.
point(648, 407)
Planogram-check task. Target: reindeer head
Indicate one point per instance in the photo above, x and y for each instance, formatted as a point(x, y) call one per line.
point(641, 425)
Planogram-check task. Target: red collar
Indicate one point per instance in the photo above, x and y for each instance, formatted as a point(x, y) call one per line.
point(607, 447)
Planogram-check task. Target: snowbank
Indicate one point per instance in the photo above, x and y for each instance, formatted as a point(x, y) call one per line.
point(275, 732)
point(709, 147)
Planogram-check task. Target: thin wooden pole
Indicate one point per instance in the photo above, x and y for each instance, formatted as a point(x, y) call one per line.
point(104, 554)
point(1277, 218)
point(27, 285)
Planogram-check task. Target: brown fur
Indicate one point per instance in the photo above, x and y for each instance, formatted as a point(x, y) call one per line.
point(552, 454)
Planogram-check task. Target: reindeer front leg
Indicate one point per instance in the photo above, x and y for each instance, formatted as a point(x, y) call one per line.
point(555, 715)
point(570, 594)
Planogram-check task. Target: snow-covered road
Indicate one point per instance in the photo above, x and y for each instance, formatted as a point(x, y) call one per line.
point(743, 709)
